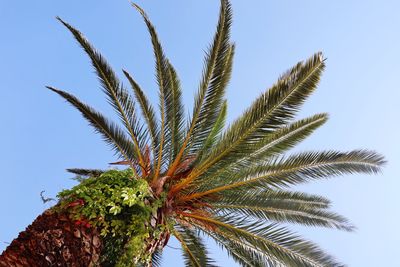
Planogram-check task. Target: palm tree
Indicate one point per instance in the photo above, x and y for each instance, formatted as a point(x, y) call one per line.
point(197, 178)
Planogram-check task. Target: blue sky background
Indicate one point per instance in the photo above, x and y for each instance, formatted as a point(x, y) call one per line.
point(41, 135)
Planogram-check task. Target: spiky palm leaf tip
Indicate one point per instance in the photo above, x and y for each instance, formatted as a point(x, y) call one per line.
point(230, 183)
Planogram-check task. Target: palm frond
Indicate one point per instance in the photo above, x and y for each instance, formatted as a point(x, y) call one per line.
point(241, 253)
point(214, 133)
point(299, 168)
point(175, 114)
point(297, 214)
point(278, 244)
point(194, 250)
point(306, 166)
point(111, 133)
point(285, 138)
point(156, 258)
point(209, 98)
point(147, 111)
point(271, 198)
point(86, 172)
point(164, 83)
point(272, 145)
point(273, 109)
point(213, 100)
point(117, 95)
point(269, 112)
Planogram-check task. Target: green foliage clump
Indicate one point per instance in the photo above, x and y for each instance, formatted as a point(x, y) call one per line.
point(119, 207)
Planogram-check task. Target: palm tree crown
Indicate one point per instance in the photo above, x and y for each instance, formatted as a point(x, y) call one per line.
point(228, 183)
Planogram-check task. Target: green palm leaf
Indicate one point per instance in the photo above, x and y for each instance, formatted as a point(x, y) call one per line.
point(269, 112)
point(297, 169)
point(210, 95)
point(193, 248)
point(111, 133)
point(117, 95)
point(86, 172)
point(278, 244)
point(165, 93)
point(273, 198)
point(214, 133)
point(213, 99)
point(156, 258)
point(280, 206)
point(273, 109)
point(175, 114)
point(306, 166)
point(283, 213)
point(243, 254)
point(147, 111)
point(272, 144)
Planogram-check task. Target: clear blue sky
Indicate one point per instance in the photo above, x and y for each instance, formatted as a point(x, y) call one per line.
point(41, 135)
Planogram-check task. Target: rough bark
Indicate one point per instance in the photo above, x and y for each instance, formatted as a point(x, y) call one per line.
point(53, 239)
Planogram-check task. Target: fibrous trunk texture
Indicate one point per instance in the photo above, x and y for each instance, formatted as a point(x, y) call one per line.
point(53, 239)
point(155, 243)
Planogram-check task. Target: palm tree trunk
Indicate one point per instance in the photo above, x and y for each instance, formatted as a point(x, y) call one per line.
point(53, 239)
